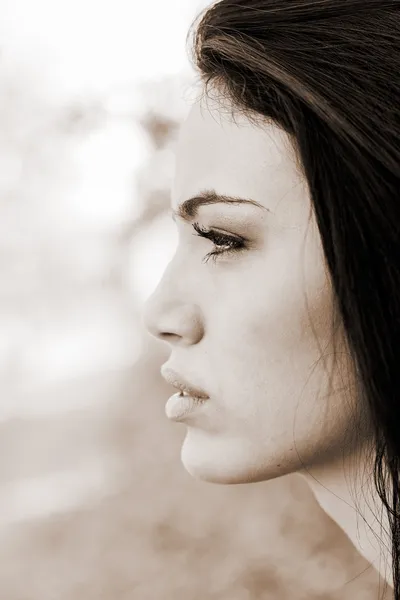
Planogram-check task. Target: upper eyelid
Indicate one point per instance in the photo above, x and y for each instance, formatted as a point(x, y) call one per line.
point(212, 232)
point(233, 237)
point(179, 220)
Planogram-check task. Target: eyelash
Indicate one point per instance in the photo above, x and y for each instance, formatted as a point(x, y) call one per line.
point(230, 244)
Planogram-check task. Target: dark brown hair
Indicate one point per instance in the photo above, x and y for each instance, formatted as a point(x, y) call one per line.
point(328, 73)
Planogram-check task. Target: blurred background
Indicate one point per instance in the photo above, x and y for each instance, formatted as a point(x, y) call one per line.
point(94, 501)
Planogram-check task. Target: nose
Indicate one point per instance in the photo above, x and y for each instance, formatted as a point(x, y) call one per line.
point(171, 316)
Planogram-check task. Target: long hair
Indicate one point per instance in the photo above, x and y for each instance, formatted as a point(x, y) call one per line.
point(328, 73)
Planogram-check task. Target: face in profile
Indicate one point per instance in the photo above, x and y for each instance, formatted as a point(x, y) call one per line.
point(251, 324)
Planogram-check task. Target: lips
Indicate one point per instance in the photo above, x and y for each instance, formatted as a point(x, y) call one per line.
point(182, 384)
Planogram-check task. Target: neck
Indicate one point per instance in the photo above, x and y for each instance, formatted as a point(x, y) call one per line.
point(345, 490)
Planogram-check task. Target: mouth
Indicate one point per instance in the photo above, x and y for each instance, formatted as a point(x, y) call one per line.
point(182, 385)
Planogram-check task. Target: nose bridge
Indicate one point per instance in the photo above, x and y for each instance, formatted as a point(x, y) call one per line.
point(171, 312)
point(160, 297)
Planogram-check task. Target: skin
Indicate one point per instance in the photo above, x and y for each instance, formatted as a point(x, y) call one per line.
point(254, 329)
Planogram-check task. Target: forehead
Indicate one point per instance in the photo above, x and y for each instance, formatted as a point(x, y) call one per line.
point(230, 155)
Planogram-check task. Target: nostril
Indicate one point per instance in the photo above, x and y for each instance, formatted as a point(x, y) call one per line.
point(168, 337)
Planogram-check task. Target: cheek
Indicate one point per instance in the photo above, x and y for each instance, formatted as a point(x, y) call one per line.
point(267, 344)
point(276, 317)
point(269, 331)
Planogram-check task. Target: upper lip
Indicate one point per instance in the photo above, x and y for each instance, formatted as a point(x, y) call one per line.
point(179, 382)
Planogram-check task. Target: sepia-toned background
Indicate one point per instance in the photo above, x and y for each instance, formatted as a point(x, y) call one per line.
point(94, 501)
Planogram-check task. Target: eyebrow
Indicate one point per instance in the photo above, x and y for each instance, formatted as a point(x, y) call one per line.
point(188, 210)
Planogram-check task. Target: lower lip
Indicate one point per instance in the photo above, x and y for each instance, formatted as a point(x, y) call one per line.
point(179, 407)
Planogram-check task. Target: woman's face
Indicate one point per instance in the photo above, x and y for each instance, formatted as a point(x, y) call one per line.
point(254, 328)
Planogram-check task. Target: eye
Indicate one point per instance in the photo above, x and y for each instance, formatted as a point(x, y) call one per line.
point(224, 244)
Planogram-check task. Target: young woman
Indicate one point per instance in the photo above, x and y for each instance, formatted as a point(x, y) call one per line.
point(281, 305)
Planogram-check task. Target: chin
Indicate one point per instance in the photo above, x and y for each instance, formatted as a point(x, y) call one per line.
point(225, 462)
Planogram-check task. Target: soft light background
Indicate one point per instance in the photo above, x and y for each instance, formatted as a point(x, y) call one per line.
point(94, 502)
